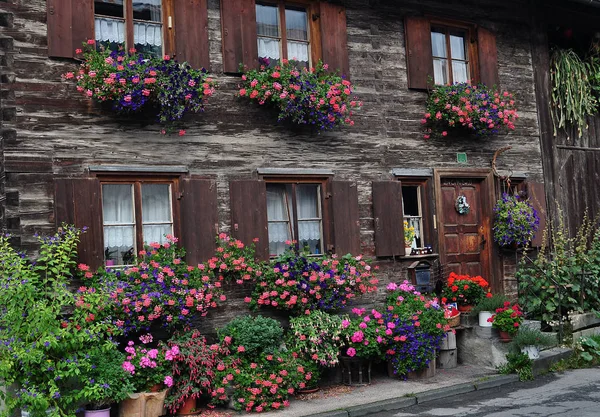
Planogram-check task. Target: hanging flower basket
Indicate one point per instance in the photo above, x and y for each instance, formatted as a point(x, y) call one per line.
point(311, 97)
point(515, 221)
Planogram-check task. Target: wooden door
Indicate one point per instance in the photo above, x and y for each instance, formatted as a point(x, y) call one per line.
point(464, 237)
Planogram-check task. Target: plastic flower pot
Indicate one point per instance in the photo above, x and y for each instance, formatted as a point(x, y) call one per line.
point(97, 413)
point(483, 318)
point(531, 351)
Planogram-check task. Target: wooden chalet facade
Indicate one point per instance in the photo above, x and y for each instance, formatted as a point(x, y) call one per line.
point(59, 151)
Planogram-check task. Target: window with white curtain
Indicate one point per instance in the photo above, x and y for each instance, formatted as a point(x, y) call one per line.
point(111, 24)
point(134, 215)
point(413, 211)
point(282, 33)
point(450, 55)
point(294, 213)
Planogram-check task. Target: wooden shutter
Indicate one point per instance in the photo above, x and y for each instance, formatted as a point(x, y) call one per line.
point(488, 57)
point(334, 37)
point(537, 198)
point(70, 23)
point(249, 214)
point(346, 222)
point(238, 24)
point(199, 219)
point(387, 210)
point(191, 33)
point(419, 55)
point(78, 202)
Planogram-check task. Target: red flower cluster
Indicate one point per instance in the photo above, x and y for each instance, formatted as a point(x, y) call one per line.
point(507, 318)
point(465, 289)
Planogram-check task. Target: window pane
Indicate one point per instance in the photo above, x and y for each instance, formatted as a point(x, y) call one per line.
point(147, 10)
point(410, 202)
point(268, 51)
point(119, 245)
point(117, 203)
point(458, 47)
point(118, 218)
point(417, 223)
point(279, 217)
point(156, 203)
point(309, 235)
point(109, 8)
point(110, 33)
point(148, 38)
point(267, 21)
point(296, 25)
point(156, 232)
point(298, 51)
point(438, 44)
point(440, 71)
point(307, 198)
point(460, 71)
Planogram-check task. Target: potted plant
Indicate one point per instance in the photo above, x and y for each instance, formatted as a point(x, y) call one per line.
point(529, 341)
point(409, 237)
point(485, 308)
point(507, 320)
point(109, 259)
point(313, 97)
point(471, 108)
point(465, 290)
point(515, 221)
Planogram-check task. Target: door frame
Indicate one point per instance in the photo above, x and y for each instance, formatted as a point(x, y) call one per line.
point(488, 193)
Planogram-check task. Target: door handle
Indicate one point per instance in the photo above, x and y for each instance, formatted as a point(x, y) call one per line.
point(482, 235)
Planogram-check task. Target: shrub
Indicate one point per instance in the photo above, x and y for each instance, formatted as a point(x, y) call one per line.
point(518, 363)
point(532, 337)
point(254, 334)
point(316, 337)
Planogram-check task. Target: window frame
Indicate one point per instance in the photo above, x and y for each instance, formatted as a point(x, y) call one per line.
point(326, 218)
point(136, 180)
point(427, 220)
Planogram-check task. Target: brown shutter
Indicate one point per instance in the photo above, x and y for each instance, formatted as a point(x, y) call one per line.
point(249, 214)
point(346, 222)
point(199, 218)
point(419, 59)
point(191, 33)
point(78, 202)
point(334, 37)
point(70, 23)
point(537, 198)
point(387, 210)
point(238, 29)
point(488, 57)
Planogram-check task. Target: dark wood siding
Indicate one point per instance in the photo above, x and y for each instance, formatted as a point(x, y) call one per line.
point(70, 23)
point(346, 222)
point(199, 219)
point(387, 211)
point(537, 197)
point(191, 33)
point(334, 37)
point(249, 214)
point(488, 57)
point(238, 22)
point(419, 59)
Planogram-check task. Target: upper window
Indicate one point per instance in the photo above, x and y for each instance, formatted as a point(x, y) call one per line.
point(283, 33)
point(294, 213)
point(134, 214)
point(141, 29)
point(450, 55)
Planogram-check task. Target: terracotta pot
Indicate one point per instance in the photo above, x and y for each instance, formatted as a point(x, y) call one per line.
point(505, 337)
point(97, 413)
point(155, 388)
point(308, 390)
point(465, 309)
point(188, 407)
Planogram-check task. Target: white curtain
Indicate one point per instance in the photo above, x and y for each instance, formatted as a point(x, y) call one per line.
point(117, 212)
point(438, 44)
point(457, 47)
point(147, 33)
point(268, 48)
point(156, 208)
point(279, 215)
point(460, 72)
point(297, 51)
point(308, 208)
point(109, 30)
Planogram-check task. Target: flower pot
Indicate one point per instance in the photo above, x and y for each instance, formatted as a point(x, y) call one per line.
point(25, 413)
point(188, 407)
point(355, 371)
point(407, 251)
point(308, 390)
point(531, 351)
point(424, 373)
point(505, 337)
point(483, 318)
point(109, 262)
point(143, 404)
point(97, 413)
point(465, 309)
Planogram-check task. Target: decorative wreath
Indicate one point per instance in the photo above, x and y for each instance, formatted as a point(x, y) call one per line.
point(461, 205)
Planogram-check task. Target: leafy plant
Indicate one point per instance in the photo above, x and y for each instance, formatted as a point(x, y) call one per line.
point(572, 94)
point(364, 334)
point(149, 365)
point(313, 97)
point(515, 221)
point(490, 304)
point(589, 349)
point(409, 234)
point(133, 82)
point(465, 290)
point(234, 261)
point(474, 108)
point(508, 318)
point(532, 337)
point(254, 334)
point(520, 364)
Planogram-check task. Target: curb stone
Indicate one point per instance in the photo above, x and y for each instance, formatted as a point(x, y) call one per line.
point(496, 381)
point(439, 393)
point(338, 413)
point(386, 405)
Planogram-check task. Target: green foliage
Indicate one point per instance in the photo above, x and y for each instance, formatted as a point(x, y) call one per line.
point(588, 349)
point(571, 265)
point(316, 337)
point(508, 318)
point(490, 304)
point(520, 364)
point(256, 334)
point(515, 221)
point(532, 337)
point(572, 94)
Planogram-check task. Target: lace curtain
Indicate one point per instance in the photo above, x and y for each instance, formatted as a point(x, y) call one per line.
point(109, 30)
point(147, 34)
point(438, 44)
point(156, 208)
point(460, 73)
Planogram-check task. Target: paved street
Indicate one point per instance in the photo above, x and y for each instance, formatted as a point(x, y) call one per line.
point(573, 393)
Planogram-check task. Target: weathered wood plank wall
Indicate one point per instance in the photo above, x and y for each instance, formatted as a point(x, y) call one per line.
point(61, 133)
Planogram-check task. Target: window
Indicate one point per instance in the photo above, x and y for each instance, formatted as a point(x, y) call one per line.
point(413, 211)
point(450, 55)
point(448, 52)
point(135, 23)
point(282, 33)
point(294, 212)
point(134, 214)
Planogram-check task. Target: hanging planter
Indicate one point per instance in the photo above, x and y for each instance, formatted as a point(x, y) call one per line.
point(469, 109)
point(313, 97)
point(515, 221)
point(134, 84)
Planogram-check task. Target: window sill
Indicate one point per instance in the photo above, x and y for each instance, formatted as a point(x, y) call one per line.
point(429, 255)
